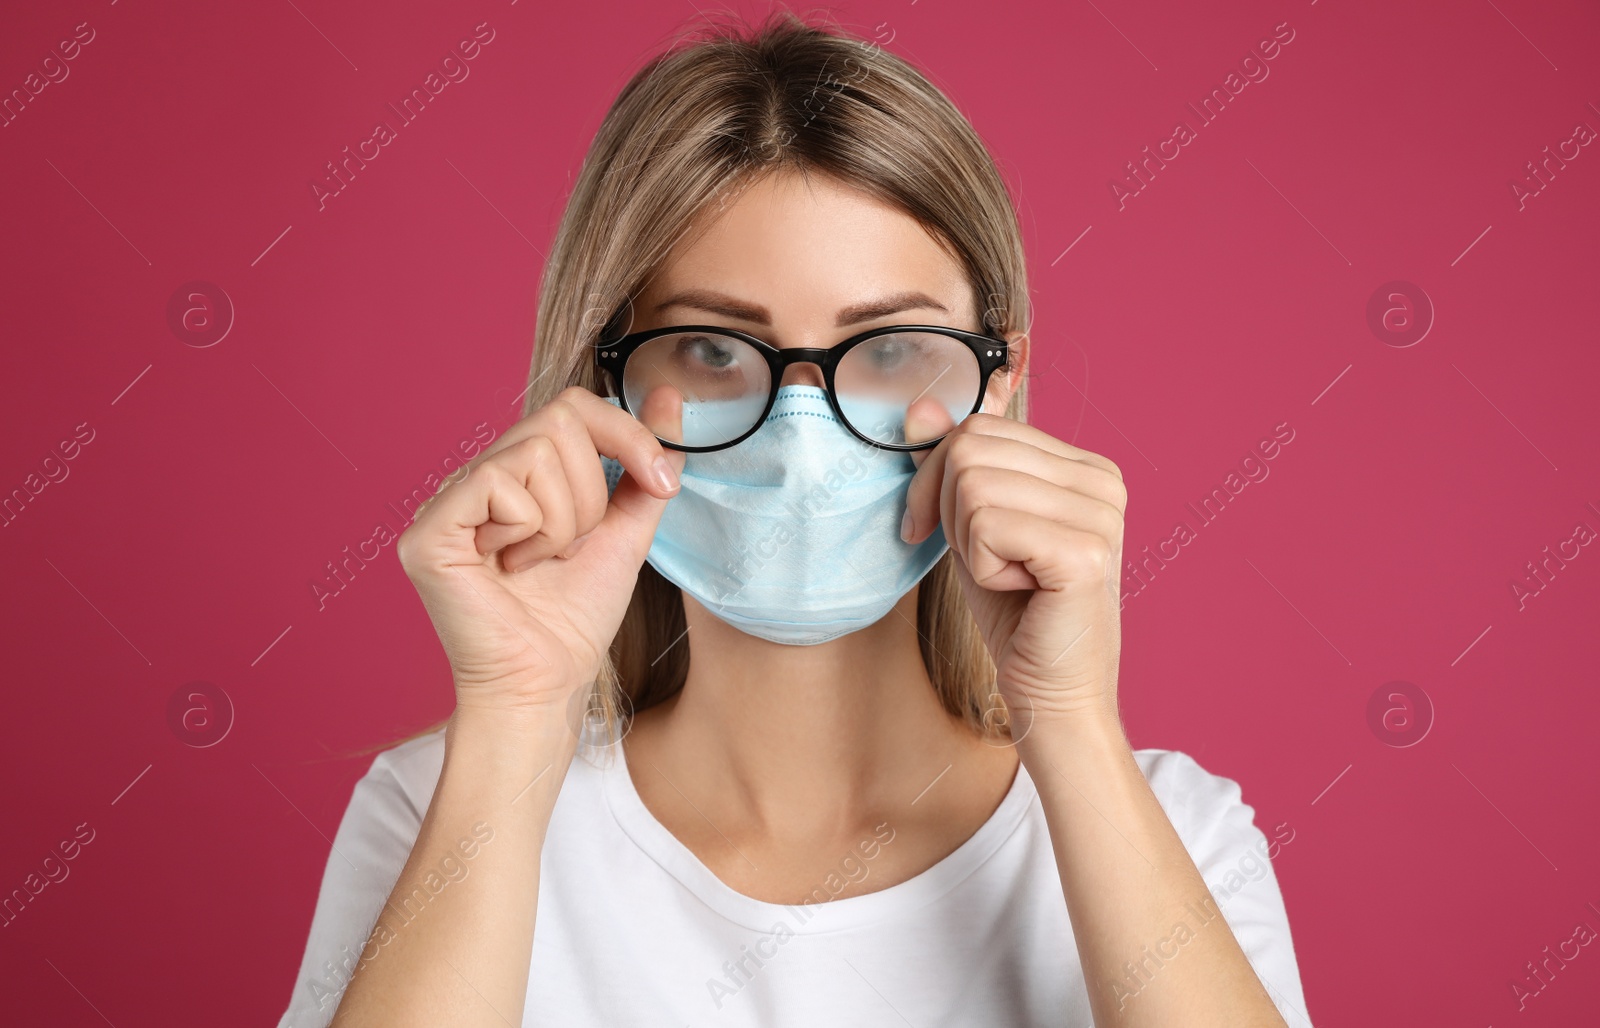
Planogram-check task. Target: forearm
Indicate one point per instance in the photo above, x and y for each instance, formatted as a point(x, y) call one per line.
point(1154, 946)
point(453, 943)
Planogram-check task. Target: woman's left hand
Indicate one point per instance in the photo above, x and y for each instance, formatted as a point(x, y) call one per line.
point(1036, 525)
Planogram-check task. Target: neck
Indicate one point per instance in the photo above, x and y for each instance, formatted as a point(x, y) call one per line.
point(816, 739)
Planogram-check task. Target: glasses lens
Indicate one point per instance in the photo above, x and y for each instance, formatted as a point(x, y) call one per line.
point(907, 387)
point(696, 388)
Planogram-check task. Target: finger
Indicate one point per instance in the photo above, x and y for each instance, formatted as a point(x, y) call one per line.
point(449, 523)
point(922, 495)
point(1011, 428)
point(536, 466)
point(560, 421)
point(926, 418)
point(925, 422)
point(932, 500)
point(979, 443)
point(632, 510)
point(1021, 446)
point(1004, 451)
point(628, 440)
point(1013, 549)
point(612, 432)
point(965, 452)
point(988, 486)
point(662, 413)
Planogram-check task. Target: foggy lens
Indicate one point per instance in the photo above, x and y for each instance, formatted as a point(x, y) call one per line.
point(907, 387)
point(696, 388)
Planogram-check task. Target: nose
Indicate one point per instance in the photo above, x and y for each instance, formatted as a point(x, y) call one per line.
point(802, 373)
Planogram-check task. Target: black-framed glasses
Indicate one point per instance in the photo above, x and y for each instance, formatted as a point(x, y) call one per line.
point(704, 387)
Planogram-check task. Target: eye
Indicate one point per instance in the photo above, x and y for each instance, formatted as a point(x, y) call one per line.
point(891, 352)
point(706, 351)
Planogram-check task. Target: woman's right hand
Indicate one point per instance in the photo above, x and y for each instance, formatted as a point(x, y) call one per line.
point(524, 565)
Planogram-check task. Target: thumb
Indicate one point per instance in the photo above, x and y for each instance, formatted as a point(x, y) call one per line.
point(926, 418)
point(633, 512)
point(633, 515)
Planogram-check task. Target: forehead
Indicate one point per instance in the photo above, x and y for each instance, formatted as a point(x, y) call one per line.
point(805, 247)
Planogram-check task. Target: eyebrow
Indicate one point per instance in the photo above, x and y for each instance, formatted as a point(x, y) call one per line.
point(729, 307)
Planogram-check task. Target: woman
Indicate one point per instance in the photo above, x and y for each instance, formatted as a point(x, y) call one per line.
point(838, 629)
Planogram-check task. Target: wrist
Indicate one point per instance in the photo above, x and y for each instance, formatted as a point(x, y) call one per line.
point(1082, 704)
point(506, 761)
point(525, 730)
point(1088, 735)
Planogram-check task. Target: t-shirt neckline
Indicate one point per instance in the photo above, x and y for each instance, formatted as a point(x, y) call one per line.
point(661, 846)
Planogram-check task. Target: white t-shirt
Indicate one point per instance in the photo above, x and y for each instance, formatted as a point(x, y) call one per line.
point(633, 929)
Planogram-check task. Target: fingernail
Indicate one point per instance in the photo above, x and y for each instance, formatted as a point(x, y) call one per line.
point(665, 476)
point(905, 526)
point(576, 545)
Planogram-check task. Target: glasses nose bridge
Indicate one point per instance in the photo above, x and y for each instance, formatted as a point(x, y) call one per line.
point(801, 355)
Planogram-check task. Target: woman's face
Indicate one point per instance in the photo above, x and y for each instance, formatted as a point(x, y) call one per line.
point(800, 262)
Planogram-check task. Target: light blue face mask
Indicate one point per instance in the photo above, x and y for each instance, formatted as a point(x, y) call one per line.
point(792, 535)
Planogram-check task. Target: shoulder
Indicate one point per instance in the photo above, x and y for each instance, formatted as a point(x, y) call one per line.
point(408, 773)
point(1195, 799)
point(1235, 858)
point(369, 849)
point(1178, 771)
point(385, 811)
point(1210, 815)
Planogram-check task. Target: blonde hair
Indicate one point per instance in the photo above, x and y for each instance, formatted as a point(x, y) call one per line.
point(700, 122)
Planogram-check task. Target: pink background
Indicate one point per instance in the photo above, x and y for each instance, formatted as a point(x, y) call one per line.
point(1229, 297)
